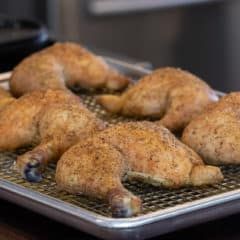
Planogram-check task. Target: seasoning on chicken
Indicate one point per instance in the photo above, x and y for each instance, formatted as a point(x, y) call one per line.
point(137, 150)
point(215, 134)
point(61, 65)
point(172, 95)
point(52, 120)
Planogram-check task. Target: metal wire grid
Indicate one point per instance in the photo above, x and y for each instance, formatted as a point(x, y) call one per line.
point(153, 198)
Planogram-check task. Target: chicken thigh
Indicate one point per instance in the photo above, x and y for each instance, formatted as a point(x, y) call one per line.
point(61, 65)
point(52, 120)
point(172, 95)
point(137, 150)
point(215, 134)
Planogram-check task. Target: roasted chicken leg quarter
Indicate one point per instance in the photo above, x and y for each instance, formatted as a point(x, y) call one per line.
point(138, 150)
point(53, 120)
point(61, 65)
point(215, 134)
point(172, 95)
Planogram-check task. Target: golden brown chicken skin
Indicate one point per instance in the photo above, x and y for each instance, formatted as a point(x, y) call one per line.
point(215, 134)
point(4, 93)
point(53, 120)
point(137, 150)
point(61, 65)
point(5, 98)
point(172, 95)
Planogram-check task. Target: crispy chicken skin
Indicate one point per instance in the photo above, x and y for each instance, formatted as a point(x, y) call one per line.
point(61, 65)
point(215, 134)
point(172, 95)
point(4, 93)
point(138, 150)
point(53, 120)
point(5, 98)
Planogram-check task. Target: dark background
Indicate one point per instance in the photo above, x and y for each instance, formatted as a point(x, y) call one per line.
point(17, 223)
point(202, 38)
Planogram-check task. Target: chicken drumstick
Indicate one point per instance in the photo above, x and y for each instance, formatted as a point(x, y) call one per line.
point(52, 120)
point(61, 65)
point(172, 95)
point(139, 150)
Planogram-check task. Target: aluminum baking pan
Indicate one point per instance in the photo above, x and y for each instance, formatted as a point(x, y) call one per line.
point(163, 210)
